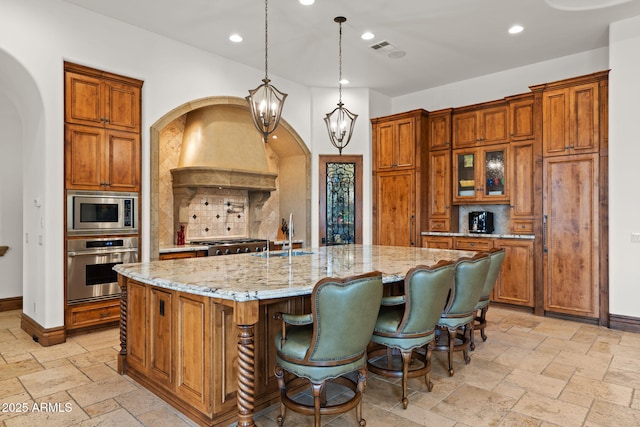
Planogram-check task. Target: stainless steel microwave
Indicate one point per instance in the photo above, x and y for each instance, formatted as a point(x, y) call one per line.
point(102, 212)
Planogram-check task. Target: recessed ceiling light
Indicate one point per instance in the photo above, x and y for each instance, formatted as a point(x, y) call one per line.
point(307, 2)
point(576, 5)
point(236, 38)
point(516, 29)
point(344, 81)
point(396, 54)
point(367, 35)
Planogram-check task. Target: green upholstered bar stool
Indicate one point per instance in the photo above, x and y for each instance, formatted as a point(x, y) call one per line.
point(497, 257)
point(327, 344)
point(407, 323)
point(456, 321)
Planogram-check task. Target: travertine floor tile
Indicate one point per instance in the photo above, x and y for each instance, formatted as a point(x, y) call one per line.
point(606, 414)
point(98, 391)
point(528, 360)
point(551, 410)
point(51, 381)
point(474, 406)
point(600, 390)
point(536, 383)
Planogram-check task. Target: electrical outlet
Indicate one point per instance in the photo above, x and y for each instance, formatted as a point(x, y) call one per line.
point(635, 237)
point(40, 239)
point(26, 237)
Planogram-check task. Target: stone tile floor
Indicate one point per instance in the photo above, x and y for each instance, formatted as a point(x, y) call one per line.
point(532, 371)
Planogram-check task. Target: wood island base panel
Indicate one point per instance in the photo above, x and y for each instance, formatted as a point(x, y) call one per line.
point(199, 332)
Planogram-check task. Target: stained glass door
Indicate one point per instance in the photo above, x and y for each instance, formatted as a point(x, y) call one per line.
point(340, 200)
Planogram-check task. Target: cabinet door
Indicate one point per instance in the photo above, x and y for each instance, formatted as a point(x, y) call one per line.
point(472, 243)
point(585, 122)
point(83, 157)
point(193, 355)
point(465, 129)
point(521, 120)
point(121, 161)
point(515, 282)
point(137, 326)
point(493, 124)
point(405, 146)
point(161, 345)
point(122, 106)
point(522, 186)
point(555, 122)
point(385, 145)
point(465, 163)
point(493, 176)
point(439, 192)
point(439, 131)
point(84, 103)
point(394, 213)
point(570, 235)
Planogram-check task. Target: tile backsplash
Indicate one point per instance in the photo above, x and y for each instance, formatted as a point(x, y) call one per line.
point(215, 213)
point(501, 217)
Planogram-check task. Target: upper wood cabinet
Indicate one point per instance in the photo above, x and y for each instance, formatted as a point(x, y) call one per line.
point(98, 99)
point(101, 159)
point(398, 139)
point(480, 175)
point(570, 119)
point(522, 165)
point(521, 126)
point(481, 125)
point(439, 124)
point(102, 130)
point(443, 216)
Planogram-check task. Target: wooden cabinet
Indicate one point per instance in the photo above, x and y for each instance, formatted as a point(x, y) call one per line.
point(472, 243)
point(439, 124)
point(571, 119)
point(481, 125)
point(87, 315)
point(437, 242)
point(522, 163)
point(521, 117)
point(96, 98)
point(480, 175)
point(395, 209)
point(571, 235)
point(102, 130)
point(101, 159)
point(515, 284)
point(160, 335)
point(399, 157)
point(183, 254)
point(443, 216)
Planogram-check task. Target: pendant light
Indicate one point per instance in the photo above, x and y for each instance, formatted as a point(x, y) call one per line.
point(266, 101)
point(340, 121)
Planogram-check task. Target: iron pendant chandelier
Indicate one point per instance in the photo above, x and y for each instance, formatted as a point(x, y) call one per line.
point(340, 121)
point(265, 101)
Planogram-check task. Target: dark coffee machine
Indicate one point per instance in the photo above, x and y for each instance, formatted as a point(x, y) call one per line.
point(481, 222)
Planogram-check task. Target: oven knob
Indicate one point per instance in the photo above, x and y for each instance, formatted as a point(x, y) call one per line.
point(218, 252)
point(227, 252)
point(239, 250)
point(247, 250)
point(258, 249)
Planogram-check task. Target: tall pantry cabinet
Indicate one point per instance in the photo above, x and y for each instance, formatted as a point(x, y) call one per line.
point(399, 159)
point(574, 216)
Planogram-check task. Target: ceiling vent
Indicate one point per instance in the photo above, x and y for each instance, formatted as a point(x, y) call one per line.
point(383, 46)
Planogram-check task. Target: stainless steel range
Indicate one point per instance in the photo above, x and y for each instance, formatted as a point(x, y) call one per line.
point(233, 246)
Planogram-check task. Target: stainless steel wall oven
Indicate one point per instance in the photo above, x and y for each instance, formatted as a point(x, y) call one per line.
point(90, 262)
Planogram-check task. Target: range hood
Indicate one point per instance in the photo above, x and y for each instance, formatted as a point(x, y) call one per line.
point(222, 149)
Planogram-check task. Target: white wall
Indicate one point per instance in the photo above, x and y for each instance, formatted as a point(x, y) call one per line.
point(624, 152)
point(10, 198)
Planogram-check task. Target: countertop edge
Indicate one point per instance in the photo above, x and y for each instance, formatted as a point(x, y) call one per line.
point(479, 235)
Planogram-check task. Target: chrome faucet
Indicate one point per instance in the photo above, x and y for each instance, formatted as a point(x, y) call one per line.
point(289, 244)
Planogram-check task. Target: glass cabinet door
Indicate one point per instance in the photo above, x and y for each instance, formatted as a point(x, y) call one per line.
point(494, 175)
point(466, 174)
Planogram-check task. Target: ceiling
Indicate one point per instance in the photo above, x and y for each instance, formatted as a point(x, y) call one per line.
point(444, 40)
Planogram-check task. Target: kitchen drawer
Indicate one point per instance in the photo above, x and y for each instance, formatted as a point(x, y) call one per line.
point(437, 242)
point(439, 224)
point(522, 226)
point(92, 314)
point(473, 244)
point(182, 254)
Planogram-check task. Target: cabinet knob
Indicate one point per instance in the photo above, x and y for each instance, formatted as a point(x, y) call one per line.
point(106, 120)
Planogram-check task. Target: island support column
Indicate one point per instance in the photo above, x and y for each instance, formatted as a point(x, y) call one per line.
point(245, 315)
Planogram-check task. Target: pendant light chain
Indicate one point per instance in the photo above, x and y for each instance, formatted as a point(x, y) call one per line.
point(266, 39)
point(340, 65)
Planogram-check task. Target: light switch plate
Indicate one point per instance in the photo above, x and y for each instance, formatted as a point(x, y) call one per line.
point(635, 237)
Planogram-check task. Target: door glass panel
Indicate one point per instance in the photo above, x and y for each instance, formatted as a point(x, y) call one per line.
point(494, 173)
point(341, 203)
point(466, 175)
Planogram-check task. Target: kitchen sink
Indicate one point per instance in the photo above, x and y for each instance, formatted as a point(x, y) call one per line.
point(282, 253)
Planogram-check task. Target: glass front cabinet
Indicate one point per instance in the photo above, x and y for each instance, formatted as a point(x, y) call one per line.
point(479, 175)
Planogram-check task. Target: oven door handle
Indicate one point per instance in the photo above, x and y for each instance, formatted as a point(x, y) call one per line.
point(109, 252)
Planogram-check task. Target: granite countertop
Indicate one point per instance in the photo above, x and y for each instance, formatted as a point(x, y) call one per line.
point(182, 248)
point(489, 236)
point(245, 277)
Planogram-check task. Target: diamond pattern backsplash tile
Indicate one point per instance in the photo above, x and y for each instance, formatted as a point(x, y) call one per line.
point(218, 213)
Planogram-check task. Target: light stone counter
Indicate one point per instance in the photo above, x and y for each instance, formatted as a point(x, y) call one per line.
point(246, 277)
point(182, 248)
point(487, 236)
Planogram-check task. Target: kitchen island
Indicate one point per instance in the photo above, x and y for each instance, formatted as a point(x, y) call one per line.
point(199, 332)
